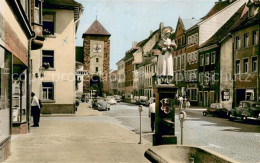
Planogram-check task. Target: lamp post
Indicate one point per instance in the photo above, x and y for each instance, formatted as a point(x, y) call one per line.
point(182, 117)
point(140, 108)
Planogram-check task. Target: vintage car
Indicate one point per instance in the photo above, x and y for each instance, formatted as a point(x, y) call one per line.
point(101, 105)
point(142, 100)
point(216, 109)
point(247, 110)
point(111, 100)
point(135, 100)
point(118, 98)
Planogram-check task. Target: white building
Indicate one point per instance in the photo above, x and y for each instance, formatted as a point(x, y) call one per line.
point(53, 66)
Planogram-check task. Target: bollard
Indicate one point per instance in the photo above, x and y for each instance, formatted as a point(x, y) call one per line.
point(182, 117)
point(140, 108)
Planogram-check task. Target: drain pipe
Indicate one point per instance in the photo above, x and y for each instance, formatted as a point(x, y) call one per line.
point(29, 84)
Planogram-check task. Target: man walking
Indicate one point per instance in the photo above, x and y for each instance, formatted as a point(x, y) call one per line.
point(152, 114)
point(35, 106)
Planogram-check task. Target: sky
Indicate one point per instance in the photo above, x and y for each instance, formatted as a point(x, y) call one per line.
point(132, 20)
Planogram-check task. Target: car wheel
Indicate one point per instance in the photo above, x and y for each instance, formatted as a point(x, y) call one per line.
point(229, 117)
point(204, 113)
point(244, 119)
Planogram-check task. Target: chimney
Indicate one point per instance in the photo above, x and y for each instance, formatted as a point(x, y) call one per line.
point(151, 31)
point(161, 25)
point(134, 44)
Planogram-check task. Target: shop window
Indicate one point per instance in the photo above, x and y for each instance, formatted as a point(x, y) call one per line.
point(48, 91)
point(254, 64)
point(48, 57)
point(48, 23)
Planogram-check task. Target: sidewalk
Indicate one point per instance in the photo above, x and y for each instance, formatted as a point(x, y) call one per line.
point(77, 141)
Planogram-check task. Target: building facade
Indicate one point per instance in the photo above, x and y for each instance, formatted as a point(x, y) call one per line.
point(17, 39)
point(245, 34)
point(121, 76)
point(54, 65)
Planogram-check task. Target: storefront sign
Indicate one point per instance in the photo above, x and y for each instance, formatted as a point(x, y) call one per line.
point(225, 95)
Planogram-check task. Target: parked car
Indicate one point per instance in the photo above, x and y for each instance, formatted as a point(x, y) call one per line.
point(101, 105)
point(111, 100)
point(118, 98)
point(135, 100)
point(216, 109)
point(151, 100)
point(142, 100)
point(247, 110)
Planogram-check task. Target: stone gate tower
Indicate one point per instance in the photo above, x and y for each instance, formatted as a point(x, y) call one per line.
point(96, 46)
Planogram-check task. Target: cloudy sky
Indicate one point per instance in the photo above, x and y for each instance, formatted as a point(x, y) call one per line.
point(132, 20)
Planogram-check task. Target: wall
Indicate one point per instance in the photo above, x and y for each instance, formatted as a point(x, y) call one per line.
point(226, 60)
point(12, 36)
point(63, 74)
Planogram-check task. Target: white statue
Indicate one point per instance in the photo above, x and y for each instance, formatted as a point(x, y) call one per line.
point(165, 59)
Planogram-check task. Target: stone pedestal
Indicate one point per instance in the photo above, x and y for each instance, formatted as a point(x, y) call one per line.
point(164, 122)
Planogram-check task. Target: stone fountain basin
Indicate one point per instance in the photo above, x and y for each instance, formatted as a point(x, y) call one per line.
point(183, 153)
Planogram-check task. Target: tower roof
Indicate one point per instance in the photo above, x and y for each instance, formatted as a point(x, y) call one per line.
point(96, 29)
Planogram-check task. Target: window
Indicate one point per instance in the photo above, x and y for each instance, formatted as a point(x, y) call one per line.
point(48, 23)
point(207, 59)
point(48, 57)
point(195, 56)
point(193, 39)
point(213, 77)
point(189, 40)
point(238, 42)
point(97, 59)
point(246, 40)
point(254, 64)
point(254, 37)
point(207, 78)
point(201, 60)
point(245, 66)
point(193, 94)
point(96, 69)
point(48, 91)
point(196, 38)
point(175, 63)
point(201, 78)
point(213, 57)
point(179, 62)
point(183, 59)
point(237, 66)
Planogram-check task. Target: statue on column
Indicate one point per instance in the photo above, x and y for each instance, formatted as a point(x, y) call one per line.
point(165, 59)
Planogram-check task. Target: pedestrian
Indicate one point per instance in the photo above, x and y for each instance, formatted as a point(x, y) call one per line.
point(187, 104)
point(180, 102)
point(35, 108)
point(152, 114)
